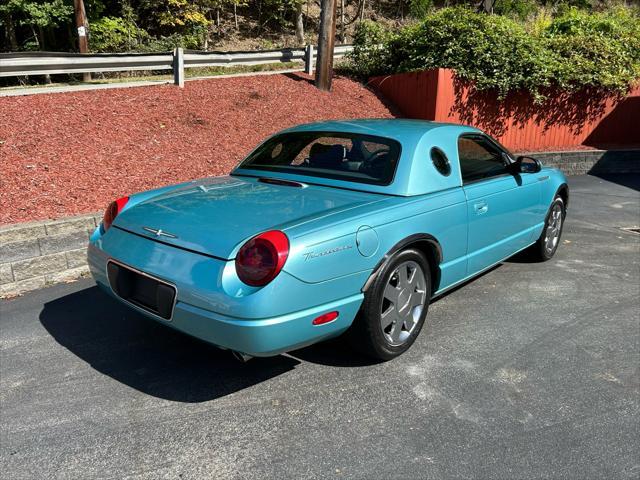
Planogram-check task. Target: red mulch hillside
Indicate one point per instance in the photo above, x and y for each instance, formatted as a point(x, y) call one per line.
point(72, 153)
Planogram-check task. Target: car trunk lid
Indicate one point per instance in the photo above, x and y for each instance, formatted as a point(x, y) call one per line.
point(215, 215)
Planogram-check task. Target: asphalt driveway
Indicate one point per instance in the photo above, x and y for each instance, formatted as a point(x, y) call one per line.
point(530, 371)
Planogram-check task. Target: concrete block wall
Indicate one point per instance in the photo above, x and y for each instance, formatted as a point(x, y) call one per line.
point(33, 255)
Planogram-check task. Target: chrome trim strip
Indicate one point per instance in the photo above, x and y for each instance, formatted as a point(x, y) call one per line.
point(140, 272)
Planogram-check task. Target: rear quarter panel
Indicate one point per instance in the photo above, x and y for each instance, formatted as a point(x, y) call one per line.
point(326, 250)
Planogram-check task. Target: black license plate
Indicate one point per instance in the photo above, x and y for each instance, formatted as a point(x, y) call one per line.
point(142, 290)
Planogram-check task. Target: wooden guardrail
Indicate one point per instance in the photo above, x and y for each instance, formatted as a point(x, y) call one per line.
point(42, 63)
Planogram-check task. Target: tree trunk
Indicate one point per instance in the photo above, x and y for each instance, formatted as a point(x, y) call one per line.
point(299, 24)
point(487, 5)
point(82, 25)
point(235, 15)
point(11, 32)
point(326, 40)
point(42, 46)
point(342, 31)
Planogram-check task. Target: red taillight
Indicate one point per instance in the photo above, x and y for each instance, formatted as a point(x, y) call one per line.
point(260, 259)
point(112, 212)
point(325, 318)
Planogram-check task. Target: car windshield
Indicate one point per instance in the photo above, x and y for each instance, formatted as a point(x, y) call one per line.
point(351, 157)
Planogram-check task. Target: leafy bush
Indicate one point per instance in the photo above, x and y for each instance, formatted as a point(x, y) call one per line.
point(574, 50)
point(191, 41)
point(491, 50)
point(520, 9)
point(420, 8)
point(370, 55)
point(115, 34)
point(599, 50)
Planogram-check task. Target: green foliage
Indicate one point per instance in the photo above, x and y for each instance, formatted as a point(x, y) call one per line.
point(39, 13)
point(519, 9)
point(115, 34)
point(575, 50)
point(174, 16)
point(596, 50)
point(164, 43)
point(278, 13)
point(493, 51)
point(420, 8)
point(371, 49)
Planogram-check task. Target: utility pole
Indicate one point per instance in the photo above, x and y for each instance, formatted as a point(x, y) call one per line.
point(82, 24)
point(326, 41)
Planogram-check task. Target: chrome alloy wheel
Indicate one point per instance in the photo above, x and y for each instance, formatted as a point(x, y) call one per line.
point(554, 226)
point(403, 302)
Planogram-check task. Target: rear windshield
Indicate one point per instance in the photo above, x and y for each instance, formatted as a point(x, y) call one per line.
point(342, 156)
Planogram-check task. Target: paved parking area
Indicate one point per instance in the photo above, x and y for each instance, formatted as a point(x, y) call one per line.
point(530, 371)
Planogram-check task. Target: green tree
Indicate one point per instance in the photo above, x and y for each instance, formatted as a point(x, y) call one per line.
point(41, 16)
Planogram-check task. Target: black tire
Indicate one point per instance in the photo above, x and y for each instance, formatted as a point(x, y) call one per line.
point(541, 250)
point(368, 334)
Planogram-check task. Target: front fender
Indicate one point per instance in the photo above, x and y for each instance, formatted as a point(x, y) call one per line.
point(551, 187)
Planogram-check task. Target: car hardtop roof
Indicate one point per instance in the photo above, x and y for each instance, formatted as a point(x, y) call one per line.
point(396, 128)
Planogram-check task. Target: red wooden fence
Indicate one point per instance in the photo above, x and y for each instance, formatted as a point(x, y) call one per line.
point(563, 121)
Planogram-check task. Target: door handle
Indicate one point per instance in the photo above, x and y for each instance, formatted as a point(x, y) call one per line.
point(481, 207)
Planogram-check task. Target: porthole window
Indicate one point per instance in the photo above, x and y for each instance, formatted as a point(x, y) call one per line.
point(440, 161)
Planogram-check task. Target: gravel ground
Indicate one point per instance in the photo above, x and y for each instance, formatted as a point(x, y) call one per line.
point(530, 371)
point(72, 153)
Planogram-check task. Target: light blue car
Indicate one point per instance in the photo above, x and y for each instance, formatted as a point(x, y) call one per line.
point(327, 228)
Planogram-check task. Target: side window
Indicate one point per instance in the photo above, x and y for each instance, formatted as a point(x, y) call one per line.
point(479, 159)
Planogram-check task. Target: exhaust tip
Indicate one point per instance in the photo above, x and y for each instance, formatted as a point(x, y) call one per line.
point(242, 357)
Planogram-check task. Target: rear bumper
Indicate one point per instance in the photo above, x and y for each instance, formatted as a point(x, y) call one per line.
point(258, 338)
point(275, 332)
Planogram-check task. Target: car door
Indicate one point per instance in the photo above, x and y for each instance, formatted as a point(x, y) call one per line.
point(501, 206)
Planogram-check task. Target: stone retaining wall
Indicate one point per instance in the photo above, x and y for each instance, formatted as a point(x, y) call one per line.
point(580, 162)
point(33, 255)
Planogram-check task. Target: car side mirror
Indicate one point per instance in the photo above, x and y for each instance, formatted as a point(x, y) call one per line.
point(525, 164)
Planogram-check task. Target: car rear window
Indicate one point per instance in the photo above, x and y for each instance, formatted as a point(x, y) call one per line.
point(342, 156)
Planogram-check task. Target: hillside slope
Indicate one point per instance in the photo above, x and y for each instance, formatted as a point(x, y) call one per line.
point(65, 154)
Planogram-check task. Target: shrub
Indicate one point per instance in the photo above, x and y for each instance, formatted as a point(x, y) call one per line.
point(600, 50)
point(115, 34)
point(370, 55)
point(520, 9)
point(191, 41)
point(420, 8)
point(574, 50)
point(491, 50)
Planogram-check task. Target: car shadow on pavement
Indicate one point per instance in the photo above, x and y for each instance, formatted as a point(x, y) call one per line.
point(336, 352)
point(628, 180)
point(147, 356)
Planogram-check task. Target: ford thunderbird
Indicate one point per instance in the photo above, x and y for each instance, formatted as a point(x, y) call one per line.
point(326, 228)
